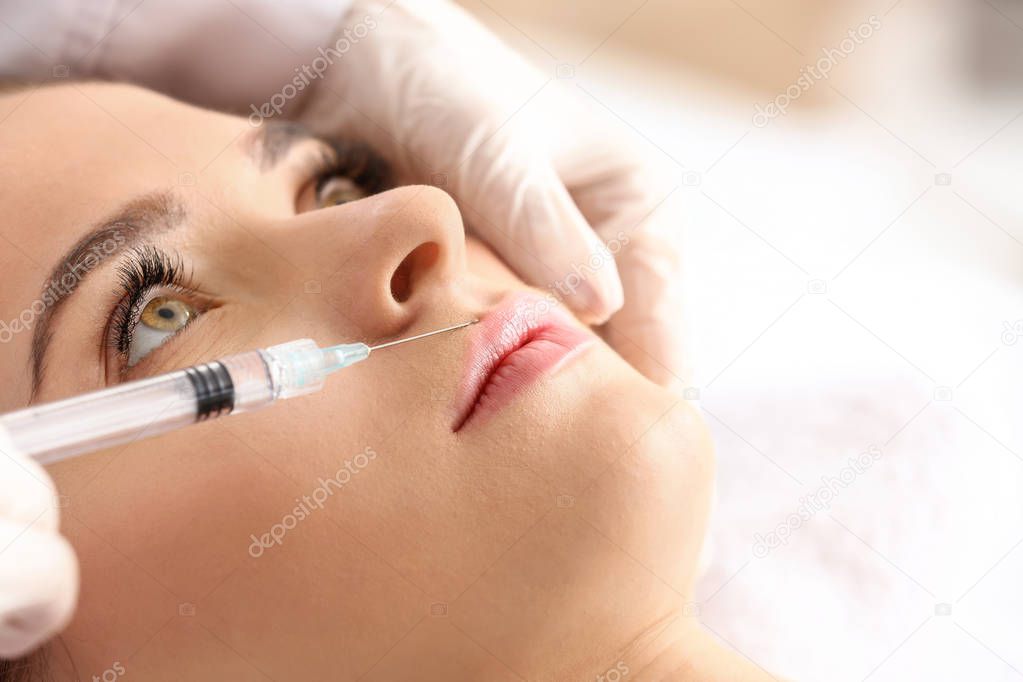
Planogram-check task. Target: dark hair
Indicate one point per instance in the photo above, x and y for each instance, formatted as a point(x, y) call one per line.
point(38, 665)
point(31, 668)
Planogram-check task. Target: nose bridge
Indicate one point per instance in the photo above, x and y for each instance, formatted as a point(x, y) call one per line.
point(397, 250)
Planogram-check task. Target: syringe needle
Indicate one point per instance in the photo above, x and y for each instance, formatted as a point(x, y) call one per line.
point(422, 336)
point(238, 383)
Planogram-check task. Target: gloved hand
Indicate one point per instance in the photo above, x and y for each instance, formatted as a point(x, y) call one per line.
point(561, 200)
point(38, 569)
point(442, 99)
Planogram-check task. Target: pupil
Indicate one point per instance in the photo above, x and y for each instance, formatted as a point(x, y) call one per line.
point(165, 313)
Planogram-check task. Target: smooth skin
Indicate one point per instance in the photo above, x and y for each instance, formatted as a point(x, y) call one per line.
point(557, 540)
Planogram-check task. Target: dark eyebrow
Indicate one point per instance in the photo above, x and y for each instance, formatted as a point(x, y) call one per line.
point(136, 221)
point(271, 141)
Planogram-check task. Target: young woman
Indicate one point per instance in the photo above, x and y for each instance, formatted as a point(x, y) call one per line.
point(510, 501)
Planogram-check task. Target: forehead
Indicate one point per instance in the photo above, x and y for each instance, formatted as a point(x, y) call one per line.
point(75, 151)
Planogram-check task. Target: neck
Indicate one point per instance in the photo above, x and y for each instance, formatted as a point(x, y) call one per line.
point(683, 651)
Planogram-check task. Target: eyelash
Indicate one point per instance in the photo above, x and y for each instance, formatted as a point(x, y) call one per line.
point(145, 269)
point(354, 161)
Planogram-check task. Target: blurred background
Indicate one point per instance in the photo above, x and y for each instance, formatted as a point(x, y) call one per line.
point(854, 270)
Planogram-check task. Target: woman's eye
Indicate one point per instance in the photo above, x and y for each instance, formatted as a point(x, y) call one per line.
point(161, 318)
point(335, 190)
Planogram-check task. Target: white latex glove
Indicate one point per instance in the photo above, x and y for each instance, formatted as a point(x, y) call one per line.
point(38, 569)
point(442, 99)
point(447, 104)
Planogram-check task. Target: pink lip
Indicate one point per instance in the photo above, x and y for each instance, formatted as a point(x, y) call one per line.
point(515, 344)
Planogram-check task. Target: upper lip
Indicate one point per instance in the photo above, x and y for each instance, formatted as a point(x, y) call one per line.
point(506, 328)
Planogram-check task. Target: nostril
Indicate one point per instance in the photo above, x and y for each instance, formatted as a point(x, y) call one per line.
point(417, 262)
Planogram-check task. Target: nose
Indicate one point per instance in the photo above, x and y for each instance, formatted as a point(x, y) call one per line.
point(401, 250)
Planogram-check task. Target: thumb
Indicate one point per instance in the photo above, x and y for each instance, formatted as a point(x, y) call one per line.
point(519, 205)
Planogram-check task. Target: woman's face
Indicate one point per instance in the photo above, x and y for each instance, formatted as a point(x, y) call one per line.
point(371, 526)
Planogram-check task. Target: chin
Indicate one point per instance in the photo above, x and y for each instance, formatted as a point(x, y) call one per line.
point(635, 460)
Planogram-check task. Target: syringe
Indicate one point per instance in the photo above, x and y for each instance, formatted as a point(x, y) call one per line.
point(138, 409)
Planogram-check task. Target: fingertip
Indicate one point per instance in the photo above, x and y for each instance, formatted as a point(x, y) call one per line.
point(595, 299)
point(39, 586)
point(588, 276)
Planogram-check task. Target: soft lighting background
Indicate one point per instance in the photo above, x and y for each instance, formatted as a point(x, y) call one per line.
point(853, 275)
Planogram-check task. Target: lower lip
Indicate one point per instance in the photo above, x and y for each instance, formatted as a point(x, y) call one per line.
point(548, 347)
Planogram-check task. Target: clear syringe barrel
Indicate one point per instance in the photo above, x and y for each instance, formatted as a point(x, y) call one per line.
point(139, 409)
point(239, 383)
